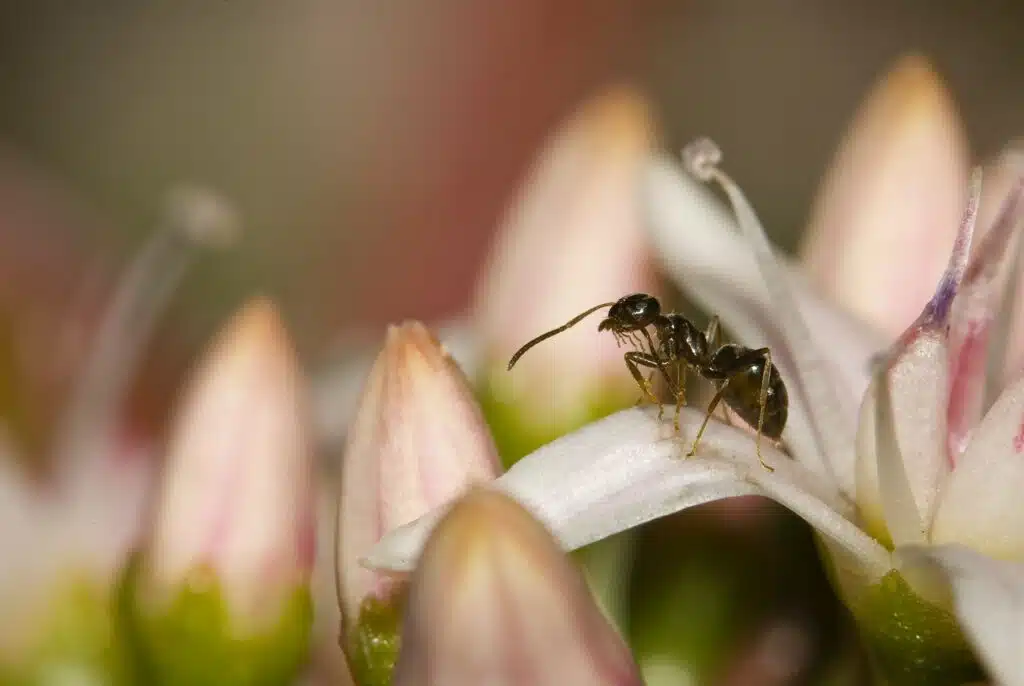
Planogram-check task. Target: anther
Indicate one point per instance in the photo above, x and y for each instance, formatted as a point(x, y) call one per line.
point(701, 158)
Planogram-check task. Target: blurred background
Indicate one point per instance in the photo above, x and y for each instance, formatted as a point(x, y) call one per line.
point(371, 148)
point(368, 144)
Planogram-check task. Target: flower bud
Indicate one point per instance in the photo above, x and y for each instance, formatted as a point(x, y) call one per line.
point(221, 595)
point(895, 187)
point(494, 600)
point(418, 441)
point(573, 238)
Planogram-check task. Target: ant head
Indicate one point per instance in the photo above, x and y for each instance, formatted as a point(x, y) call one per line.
point(631, 313)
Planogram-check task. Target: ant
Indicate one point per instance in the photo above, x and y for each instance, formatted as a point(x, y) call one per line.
point(744, 378)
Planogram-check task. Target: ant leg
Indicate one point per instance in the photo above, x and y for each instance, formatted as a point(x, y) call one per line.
point(634, 360)
point(763, 400)
point(680, 393)
point(707, 417)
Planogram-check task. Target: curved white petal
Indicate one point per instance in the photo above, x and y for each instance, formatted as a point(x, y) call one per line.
point(902, 440)
point(988, 597)
point(884, 489)
point(627, 469)
point(981, 502)
point(700, 246)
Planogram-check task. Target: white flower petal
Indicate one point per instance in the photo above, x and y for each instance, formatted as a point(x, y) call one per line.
point(902, 449)
point(980, 504)
point(627, 469)
point(988, 596)
point(700, 246)
point(884, 491)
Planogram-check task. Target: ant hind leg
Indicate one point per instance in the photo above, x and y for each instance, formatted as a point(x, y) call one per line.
point(763, 401)
point(707, 417)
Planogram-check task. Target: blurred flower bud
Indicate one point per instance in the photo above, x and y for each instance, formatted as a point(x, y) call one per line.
point(896, 186)
point(69, 532)
point(573, 239)
point(494, 600)
point(221, 595)
point(417, 442)
point(63, 554)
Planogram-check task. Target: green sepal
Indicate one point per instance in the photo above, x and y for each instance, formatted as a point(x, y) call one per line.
point(79, 642)
point(373, 643)
point(912, 641)
point(194, 640)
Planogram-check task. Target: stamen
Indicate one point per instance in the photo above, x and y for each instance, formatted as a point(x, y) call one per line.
point(833, 436)
point(192, 217)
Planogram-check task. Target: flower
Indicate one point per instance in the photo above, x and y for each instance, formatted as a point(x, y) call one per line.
point(573, 238)
point(504, 609)
point(74, 529)
point(913, 498)
point(233, 537)
point(418, 441)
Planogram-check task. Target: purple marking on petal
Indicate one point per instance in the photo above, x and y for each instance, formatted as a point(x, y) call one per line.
point(936, 312)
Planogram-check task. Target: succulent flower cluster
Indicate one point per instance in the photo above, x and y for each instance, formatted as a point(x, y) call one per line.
point(430, 545)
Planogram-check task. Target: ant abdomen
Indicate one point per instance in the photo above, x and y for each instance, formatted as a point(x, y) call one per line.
point(744, 370)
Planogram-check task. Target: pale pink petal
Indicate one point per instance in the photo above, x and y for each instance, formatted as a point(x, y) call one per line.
point(887, 211)
point(981, 503)
point(977, 305)
point(338, 384)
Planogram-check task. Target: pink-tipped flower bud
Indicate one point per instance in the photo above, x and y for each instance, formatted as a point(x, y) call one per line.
point(573, 238)
point(233, 536)
point(418, 441)
point(496, 601)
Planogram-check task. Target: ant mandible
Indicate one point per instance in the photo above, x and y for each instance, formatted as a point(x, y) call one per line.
point(744, 378)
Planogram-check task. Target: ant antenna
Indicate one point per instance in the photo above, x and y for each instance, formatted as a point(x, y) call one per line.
point(544, 336)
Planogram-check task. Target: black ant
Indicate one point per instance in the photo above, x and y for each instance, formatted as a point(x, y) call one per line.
point(744, 378)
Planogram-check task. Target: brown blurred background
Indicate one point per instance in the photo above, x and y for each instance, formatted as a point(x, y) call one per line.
point(371, 145)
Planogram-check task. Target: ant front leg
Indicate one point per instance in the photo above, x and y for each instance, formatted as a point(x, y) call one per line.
point(635, 360)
